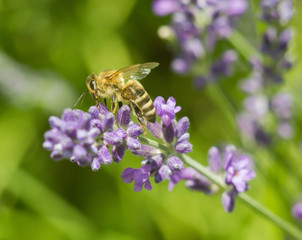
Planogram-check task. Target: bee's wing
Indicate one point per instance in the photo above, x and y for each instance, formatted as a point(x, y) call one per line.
point(134, 72)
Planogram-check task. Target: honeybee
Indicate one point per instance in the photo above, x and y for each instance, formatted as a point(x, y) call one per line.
point(122, 85)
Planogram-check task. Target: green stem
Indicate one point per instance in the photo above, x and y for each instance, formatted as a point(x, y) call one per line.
point(251, 203)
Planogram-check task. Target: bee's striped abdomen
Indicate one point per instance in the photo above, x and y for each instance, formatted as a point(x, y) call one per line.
point(144, 102)
point(140, 97)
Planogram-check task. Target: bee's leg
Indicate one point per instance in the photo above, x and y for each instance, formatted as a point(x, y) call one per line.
point(105, 102)
point(140, 118)
point(114, 103)
point(120, 104)
point(97, 103)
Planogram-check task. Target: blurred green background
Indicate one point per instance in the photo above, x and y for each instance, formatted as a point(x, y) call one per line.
point(47, 49)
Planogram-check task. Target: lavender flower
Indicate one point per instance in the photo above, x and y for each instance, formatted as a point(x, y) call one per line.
point(96, 138)
point(162, 164)
point(92, 138)
point(266, 74)
point(196, 39)
point(237, 171)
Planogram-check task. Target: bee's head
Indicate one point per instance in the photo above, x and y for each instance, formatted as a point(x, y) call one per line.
point(91, 83)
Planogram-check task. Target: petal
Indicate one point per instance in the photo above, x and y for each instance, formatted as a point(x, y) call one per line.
point(177, 109)
point(138, 186)
point(239, 184)
point(228, 201)
point(242, 162)
point(214, 160)
point(148, 185)
point(182, 126)
point(103, 109)
point(80, 153)
point(122, 133)
point(68, 115)
point(168, 132)
point(155, 129)
point(171, 102)
point(108, 120)
point(94, 112)
point(118, 153)
point(127, 175)
point(140, 176)
point(163, 172)
point(166, 120)
point(184, 137)
point(95, 164)
point(158, 103)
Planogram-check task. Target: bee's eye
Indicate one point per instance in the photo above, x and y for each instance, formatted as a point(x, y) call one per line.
point(92, 84)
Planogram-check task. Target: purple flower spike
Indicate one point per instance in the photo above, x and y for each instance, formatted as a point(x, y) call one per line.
point(238, 172)
point(297, 211)
point(124, 116)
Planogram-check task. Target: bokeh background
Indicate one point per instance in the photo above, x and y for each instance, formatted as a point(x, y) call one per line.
point(47, 49)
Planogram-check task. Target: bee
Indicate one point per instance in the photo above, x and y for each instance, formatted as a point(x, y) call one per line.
point(122, 85)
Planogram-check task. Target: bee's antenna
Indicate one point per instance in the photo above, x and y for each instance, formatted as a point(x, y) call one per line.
point(81, 97)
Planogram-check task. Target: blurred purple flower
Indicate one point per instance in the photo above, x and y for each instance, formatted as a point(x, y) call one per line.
point(195, 39)
point(239, 172)
point(297, 211)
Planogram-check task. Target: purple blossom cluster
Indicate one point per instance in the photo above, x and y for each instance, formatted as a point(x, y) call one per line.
point(98, 138)
point(92, 138)
point(196, 38)
point(264, 97)
point(236, 170)
point(161, 164)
